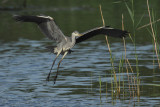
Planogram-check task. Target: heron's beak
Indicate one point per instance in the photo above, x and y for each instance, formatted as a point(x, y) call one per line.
point(80, 34)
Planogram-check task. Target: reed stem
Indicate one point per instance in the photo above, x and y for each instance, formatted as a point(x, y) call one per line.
point(153, 34)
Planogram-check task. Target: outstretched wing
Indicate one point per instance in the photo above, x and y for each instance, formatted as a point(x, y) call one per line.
point(106, 30)
point(46, 24)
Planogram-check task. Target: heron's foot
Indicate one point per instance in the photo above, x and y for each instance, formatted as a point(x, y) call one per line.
point(55, 78)
point(47, 79)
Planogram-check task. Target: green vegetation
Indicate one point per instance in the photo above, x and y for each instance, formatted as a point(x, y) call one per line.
point(133, 80)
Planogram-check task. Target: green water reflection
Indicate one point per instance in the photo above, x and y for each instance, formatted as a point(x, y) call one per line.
point(73, 15)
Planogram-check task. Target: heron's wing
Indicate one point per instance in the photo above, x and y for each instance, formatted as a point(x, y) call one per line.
point(106, 30)
point(46, 24)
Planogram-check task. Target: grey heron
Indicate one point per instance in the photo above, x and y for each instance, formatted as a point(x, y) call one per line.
point(65, 43)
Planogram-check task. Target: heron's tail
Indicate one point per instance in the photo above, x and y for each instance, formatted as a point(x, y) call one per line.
point(51, 48)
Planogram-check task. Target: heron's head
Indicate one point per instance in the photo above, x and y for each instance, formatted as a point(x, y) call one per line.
point(76, 34)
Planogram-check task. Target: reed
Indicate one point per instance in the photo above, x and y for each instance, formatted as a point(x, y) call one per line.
point(155, 29)
point(100, 86)
point(132, 78)
point(124, 58)
point(110, 52)
point(132, 15)
point(119, 84)
point(153, 43)
point(134, 25)
point(153, 33)
point(133, 82)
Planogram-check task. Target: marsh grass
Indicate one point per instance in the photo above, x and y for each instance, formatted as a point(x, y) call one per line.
point(132, 88)
point(120, 70)
point(115, 86)
point(132, 16)
point(100, 86)
point(136, 80)
point(153, 33)
point(118, 87)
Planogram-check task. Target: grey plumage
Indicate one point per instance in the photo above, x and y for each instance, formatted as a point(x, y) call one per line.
point(105, 30)
point(46, 24)
point(65, 43)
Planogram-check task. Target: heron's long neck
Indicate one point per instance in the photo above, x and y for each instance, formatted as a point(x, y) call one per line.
point(73, 39)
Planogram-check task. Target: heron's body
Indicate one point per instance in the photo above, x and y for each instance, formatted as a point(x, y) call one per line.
point(64, 46)
point(65, 43)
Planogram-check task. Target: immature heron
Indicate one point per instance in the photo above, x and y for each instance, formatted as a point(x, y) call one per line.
point(65, 43)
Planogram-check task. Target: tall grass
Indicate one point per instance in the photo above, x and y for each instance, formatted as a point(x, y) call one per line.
point(124, 64)
point(125, 54)
point(110, 52)
point(134, 27)
point(118, 88)
point(153, 33)
point(132, 16)
point(100, 85)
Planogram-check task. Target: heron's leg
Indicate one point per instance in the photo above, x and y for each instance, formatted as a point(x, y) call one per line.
point(58, 67)
point(47, 79)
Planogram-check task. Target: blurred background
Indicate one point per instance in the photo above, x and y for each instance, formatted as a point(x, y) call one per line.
point(88, 74)
point(73, 15)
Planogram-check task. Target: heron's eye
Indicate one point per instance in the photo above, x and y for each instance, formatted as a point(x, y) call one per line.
point(76, 32)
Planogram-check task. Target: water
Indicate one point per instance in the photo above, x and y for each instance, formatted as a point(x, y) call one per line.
point(25, 63)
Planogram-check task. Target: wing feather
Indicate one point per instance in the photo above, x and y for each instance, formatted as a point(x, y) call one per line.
point(101, 30)
point(46, 24)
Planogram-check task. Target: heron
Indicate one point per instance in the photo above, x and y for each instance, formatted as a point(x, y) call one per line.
point(64, 44)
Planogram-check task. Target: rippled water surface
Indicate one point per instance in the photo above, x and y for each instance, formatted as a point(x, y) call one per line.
point(26, 63)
